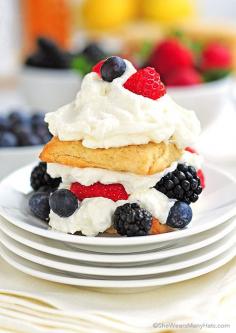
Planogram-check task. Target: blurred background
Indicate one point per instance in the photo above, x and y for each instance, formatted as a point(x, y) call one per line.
point(47, 46)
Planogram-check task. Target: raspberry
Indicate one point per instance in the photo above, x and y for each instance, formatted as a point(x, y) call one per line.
point(216, 56)
point(114, 192)
point(183, 77)
point(97, 68)
point(170, 55)
point(146, 82)
point(191, 150)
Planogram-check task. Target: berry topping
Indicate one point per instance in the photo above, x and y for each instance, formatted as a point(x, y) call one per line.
point(114, 192)
point(8, 139)
point(97, 67)
point(170, 55)
point(93, 53)
point(180, 215)
point(132, 220)
point(63, 203)
point(112, 68)
point(183, 77)
point(216, 56)
point(146, 82)
point(182, 184)
point(39, 177)
point(200, 174)
point(39, 205)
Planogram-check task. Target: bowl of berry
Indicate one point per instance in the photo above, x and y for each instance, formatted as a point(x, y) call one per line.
point(197, 76)
point(52, 76)
point(22, 135)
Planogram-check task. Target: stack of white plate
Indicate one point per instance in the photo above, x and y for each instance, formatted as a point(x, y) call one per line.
point(119, 262)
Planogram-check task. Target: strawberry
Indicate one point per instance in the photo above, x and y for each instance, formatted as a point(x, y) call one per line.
point(170, 55)
point(183, 77)
point(96, 68)
point(146, 82)
point(200, 173)
point(216, 56)
point(114, 192)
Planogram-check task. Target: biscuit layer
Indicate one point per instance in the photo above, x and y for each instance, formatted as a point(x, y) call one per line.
point(144, 159)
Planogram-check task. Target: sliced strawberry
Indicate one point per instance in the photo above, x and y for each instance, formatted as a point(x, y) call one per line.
point(114, 192)
point(96, 68)
point(146, 82)
point(200, 173)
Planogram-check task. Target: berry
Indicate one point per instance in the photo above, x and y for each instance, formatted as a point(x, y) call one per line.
point(201, 176)
point(169, 55)
point(216, 56)
point(112, 68)
point(146, 82)
point(180, 215)
point(39, 205)
point(7, 139)
point(63, 203)
point(182, 184)
point(132, 220)
point(18, 118)
point(39, 177)
point(27, 138)
point(97, 67)
point(191, 150)
point(93, 53)
point(4, 124)
point(114, 192)
point(37, 119)
point(183, 77)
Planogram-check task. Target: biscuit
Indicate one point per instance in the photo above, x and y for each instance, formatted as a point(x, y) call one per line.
point(146, 159)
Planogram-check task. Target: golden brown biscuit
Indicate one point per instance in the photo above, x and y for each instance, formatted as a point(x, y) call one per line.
point(139, 159)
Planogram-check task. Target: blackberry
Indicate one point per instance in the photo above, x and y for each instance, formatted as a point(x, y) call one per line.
point(93, 53)
point(182, 184)
point(132, 220)
point(39, 177)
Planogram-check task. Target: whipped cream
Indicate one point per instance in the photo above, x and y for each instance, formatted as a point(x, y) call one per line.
point(88, 218)
point(105, 114)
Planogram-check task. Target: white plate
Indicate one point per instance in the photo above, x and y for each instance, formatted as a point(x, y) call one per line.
point(72, 266)
point(50, 274)
point(216, 205)
point(121, 260)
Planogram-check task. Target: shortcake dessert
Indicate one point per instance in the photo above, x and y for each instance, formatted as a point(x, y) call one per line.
point(119, 161)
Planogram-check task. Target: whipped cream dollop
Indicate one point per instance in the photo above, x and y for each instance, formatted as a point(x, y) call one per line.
point(105, 114)
point(94, 215)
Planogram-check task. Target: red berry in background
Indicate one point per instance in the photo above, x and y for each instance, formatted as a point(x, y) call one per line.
point(183, 77)
point(216, 56)
point(170, 55)
point(146, 82)
point(191, 150)
point(97, 68)
point(114, 192)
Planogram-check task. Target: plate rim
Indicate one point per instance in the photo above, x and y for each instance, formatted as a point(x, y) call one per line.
point(229, 255)
point(156, 268)
point(118, 241)
point(107, 259)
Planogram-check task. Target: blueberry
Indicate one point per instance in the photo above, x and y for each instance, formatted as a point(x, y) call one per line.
point(93, 53)
point(27, 138)
point(180, 215)
point(112, 68)
point(4, 123)
point(39, 205)
point(37, 119)
point(8, 139)
point(63, 203)
point(18, 118)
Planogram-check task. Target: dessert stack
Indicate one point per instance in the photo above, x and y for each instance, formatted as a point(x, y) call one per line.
point(119, 161)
